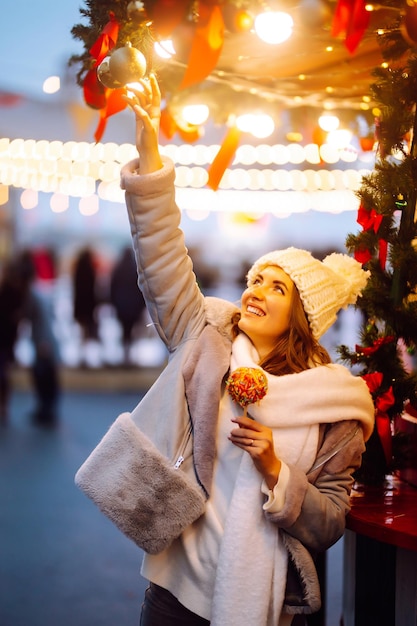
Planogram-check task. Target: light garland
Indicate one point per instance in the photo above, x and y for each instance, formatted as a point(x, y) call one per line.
point(91, 171)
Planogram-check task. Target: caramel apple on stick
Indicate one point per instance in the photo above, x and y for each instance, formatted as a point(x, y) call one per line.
point(247, 385)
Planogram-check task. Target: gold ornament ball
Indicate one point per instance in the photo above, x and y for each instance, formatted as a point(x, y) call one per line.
point(105, 76)
point(127, 64)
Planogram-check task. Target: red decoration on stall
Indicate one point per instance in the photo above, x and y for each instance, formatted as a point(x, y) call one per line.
point(169, 127)
point(206, 46)
point(408, 25)
point(367, 143)
point(382, 403)
point(95, 93)
point(362, 256)
point(371, 220)
point(106, 40)
point(190, 133)
point(166, 15)
point(114, 104)
point(224, 157)
point(381, 341)
point(167, 124)
point(352, 19)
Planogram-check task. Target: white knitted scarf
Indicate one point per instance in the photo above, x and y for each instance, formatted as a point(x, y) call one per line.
point(252, 567)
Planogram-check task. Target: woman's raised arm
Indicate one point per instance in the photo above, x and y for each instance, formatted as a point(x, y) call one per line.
point(146, 105)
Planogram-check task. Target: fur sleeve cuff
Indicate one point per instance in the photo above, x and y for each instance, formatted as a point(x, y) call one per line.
point(146, 184)
point(294, 496)
point(138, 489)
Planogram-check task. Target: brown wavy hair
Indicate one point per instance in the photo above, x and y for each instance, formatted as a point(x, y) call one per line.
point(296, 350)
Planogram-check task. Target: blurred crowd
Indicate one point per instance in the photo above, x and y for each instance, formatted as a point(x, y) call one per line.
point(87, 312)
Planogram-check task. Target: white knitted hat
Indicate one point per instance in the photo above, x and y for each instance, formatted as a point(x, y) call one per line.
point(325, 286)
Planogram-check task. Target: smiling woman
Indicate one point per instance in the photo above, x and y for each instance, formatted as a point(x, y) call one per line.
point(266, 308)
point(273, 484)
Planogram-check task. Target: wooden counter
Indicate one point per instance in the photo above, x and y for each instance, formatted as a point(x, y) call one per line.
point(380, 556)
point(388, 514)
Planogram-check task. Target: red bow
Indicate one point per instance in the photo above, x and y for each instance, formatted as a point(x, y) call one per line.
point(96, 95)
point(382, 403)
point(371, 219)
point(114, 104)
point(106, 40)
point(375, 346)
point(206, 47)
point(352, 18)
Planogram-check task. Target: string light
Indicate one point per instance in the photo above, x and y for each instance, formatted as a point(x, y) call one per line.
point(91, 171)
point(328, 122)
point(195, 114)
point(274, 27)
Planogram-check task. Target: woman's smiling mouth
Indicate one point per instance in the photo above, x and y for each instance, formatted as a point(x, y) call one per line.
point(253, 309)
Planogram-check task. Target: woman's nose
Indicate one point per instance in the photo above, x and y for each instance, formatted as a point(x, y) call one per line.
point(257, 292)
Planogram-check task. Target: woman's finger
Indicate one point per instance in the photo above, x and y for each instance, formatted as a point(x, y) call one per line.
point(249, 423)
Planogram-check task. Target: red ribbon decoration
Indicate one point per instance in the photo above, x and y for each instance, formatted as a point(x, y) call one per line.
point(206, 47)
point(167, 124)
point(166, 15)
point(224, 157)
point(362, 256)
point(169, 127)
point(383, 252)
point(371, 219)
point(375, 346)
point(373, 380)
point(351, 18)
point(114, 104)
point(106, 40)
point(382, 403)
point(96, 95)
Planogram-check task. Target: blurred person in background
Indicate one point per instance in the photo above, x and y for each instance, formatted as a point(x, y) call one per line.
point(85, 298)
point(37, 310)
point(11, 311)
point(127, 299)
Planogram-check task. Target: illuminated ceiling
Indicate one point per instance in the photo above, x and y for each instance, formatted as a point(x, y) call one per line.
point(312, 68)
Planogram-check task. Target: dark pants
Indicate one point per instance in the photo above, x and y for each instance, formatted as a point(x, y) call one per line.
point(161, 608)
point(47, 389)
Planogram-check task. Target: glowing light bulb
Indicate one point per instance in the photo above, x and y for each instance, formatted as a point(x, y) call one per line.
point(329, 122)
point(259, 125)
point(52, 84)
point(339, 138)
point(195, 114)
point(164, 49)
point(274, 27)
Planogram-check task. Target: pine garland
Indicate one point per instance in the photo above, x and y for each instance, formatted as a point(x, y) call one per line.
point(389, 302)
point(97, 13)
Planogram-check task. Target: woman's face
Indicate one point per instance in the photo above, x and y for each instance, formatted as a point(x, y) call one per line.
point(266, 308)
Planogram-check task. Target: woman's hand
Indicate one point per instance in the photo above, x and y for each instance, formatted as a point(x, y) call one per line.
point(257, 441)
point(146, 105)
